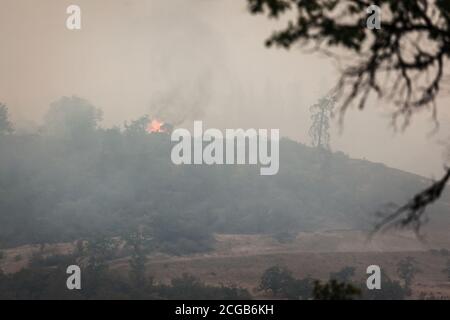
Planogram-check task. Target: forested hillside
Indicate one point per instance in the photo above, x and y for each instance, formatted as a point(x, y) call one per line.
point(74, 180)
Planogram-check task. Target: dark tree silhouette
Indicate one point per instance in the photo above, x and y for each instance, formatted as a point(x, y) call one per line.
point(282, 283)
point(334, 290)
point(412, 214)
point(403, 62)
point(275, 279)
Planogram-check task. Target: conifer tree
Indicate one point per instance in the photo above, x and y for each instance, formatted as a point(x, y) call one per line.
point(320, 116)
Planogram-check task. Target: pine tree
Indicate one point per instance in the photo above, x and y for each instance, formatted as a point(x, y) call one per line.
point(319, 130)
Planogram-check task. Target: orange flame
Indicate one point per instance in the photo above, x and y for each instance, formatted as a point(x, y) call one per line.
point(155, 126)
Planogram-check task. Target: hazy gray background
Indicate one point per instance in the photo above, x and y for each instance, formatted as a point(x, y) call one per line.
point(185, 60)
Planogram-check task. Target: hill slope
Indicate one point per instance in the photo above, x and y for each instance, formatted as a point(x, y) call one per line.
point(57, 188)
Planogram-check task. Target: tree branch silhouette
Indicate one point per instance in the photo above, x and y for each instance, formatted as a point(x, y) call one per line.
point(412, 214)
point(402, 62)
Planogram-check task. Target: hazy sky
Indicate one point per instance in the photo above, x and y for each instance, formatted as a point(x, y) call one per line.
point(190, 59)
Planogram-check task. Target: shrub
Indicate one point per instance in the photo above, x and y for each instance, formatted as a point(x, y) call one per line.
point(280, 282)
point(391, 290)
point(343, 275)
point(276, 279)
point(189, 287)
point(334, 290)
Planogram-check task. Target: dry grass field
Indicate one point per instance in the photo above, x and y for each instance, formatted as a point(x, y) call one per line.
point(241, 259)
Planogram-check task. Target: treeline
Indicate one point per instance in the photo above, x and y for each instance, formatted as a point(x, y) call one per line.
point(45, 277)
point(279, 282)
point(73, 179)
point(44, 284)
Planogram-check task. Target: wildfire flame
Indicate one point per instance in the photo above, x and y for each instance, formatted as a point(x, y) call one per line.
point(155, 126)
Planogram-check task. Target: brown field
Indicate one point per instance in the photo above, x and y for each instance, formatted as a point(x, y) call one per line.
point(241, 259)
